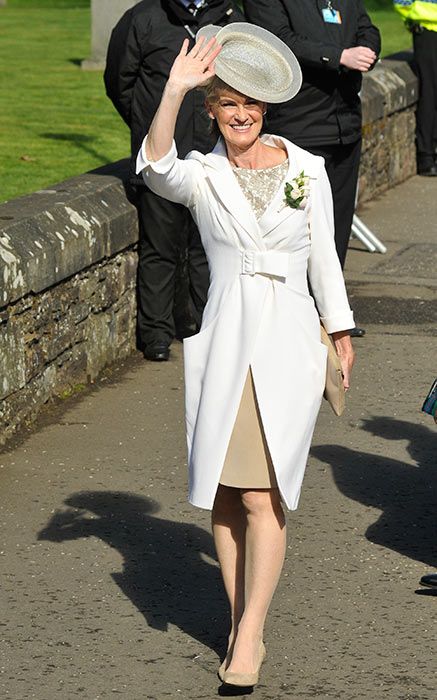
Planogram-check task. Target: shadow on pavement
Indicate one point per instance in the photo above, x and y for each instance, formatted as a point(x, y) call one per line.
point(164, 574)
point(80, 141)
point(406, 494)
point(426, 591)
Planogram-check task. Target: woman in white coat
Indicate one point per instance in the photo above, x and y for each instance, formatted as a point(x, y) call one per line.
point(255, 372)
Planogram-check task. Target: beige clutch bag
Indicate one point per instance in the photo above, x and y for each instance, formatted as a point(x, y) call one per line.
point(334, 390)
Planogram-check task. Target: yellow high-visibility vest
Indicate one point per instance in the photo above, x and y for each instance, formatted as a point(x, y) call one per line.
point(423, 12)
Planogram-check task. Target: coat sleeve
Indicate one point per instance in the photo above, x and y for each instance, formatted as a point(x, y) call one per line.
point(272, 15)
point(123, 64)
point(169, 177)
point(367, 34)
point(324, 269)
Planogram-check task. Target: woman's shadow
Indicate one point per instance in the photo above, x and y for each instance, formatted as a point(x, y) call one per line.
point(405, 493)
point(164, 573)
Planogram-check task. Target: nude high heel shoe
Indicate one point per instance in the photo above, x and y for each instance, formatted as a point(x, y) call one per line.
point(222, 669)
point(243, 680)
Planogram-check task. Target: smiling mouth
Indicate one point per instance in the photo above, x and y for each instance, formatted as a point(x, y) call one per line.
point(240, 127)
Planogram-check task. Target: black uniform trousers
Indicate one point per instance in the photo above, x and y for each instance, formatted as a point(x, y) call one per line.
point(169, 241)
point(342, 162)
point(425, 54)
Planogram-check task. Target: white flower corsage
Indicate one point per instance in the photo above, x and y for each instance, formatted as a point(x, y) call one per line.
point(296, 191)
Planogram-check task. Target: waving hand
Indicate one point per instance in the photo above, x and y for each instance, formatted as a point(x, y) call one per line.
point(190, 70)
point(193, 68)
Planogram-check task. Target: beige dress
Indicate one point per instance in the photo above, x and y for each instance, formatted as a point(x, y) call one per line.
point(248, 463)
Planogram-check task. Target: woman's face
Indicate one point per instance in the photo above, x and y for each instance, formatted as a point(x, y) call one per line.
point(239, 118)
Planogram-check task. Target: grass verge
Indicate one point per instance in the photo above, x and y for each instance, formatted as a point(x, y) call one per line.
point(394, 35)
point(56, 119)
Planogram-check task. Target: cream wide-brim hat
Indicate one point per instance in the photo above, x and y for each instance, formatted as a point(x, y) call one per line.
point(255, 62)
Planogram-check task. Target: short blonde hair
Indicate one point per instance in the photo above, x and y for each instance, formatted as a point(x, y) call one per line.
point(211, 90)
point(213, 87)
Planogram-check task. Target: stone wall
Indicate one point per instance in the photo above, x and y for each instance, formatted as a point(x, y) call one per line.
point(68, 260)
point(67, 305)
point(389, 97)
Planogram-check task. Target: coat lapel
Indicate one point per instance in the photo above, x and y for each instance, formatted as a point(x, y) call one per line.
point(277, 211)
point(228, 191)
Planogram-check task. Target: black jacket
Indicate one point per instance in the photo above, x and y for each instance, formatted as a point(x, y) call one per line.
point(327, 110)
point(141, 51)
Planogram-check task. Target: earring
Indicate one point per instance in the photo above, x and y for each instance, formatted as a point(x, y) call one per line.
point(264, 113)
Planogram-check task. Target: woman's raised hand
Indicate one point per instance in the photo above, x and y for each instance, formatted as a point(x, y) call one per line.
point(190, 69)
point(193, 68)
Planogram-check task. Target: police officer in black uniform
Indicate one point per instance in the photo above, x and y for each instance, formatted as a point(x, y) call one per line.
point(142, 49)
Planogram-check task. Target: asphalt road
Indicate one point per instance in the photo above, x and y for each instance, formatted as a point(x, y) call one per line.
point(109, 583)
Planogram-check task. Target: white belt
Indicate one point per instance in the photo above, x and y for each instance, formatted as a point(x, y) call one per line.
point(269, 262)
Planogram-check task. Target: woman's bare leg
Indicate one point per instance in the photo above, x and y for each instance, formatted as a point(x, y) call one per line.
point(264, 557)
point(229, 530)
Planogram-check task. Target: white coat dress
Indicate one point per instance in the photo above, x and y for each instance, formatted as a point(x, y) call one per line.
point(259, 312)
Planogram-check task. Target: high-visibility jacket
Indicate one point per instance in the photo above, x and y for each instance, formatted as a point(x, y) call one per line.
point(423, 12)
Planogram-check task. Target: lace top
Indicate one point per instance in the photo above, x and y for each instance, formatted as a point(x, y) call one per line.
point(260, 186)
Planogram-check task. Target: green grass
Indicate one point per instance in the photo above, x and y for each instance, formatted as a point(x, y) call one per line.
point(394, 35)
point(49, 3)
point(56, 120)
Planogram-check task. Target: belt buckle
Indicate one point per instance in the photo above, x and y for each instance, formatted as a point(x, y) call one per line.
point(248, 262)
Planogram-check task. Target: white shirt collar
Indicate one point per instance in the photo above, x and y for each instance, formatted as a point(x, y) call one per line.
point(187, 3)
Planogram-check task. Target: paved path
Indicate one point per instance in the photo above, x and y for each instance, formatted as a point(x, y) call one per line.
point(109, 584)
